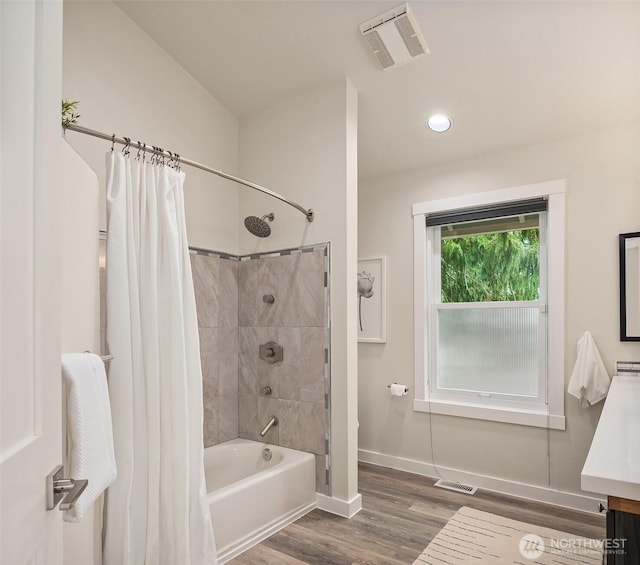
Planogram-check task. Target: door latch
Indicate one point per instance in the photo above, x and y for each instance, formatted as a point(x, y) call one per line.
point(65, 490)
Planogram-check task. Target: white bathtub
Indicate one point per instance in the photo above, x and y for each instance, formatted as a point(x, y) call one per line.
point(250, 498)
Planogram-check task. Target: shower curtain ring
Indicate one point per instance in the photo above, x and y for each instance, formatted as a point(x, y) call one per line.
point(139, 150)
point(125, 149)
point(113, 141)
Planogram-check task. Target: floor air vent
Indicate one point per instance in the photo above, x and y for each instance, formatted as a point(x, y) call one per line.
point(458, 487)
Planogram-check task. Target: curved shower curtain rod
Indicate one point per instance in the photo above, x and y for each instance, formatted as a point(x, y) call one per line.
point(141, 146)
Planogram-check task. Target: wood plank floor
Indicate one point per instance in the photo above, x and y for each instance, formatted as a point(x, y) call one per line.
point(401, 514)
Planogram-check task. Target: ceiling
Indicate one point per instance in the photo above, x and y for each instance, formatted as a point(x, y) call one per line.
point(510, 73)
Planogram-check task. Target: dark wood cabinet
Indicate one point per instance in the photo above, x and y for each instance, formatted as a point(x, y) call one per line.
point(623, 532)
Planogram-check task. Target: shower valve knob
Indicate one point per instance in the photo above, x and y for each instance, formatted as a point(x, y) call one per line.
point(270, 352)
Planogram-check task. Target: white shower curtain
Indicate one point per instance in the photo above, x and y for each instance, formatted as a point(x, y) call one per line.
point(156, 512)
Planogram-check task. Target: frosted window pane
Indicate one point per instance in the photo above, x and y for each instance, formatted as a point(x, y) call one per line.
point(488, 350)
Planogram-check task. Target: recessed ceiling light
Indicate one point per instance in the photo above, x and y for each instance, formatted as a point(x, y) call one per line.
point(439, 123)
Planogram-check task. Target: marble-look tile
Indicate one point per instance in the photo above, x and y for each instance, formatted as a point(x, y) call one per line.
point(248, 417)
point(289, 338)
point(227, 293)
point(288, 384)
point(267, 284)
point(312, 382)
point(247, 293)
point(311, 277)
point(228, 376)
point(210, 427)
point(266, 334)
point(227, 417)
point(321, 476)
point(287, 290)
point(248, 360)
point(268, 407)
point(312, 343)
point(289, 422)
point(312, 427)
point(234, 321)
point(205, 283)
point(268, 376)
point(228, 354)
point(289, 369)
point(209, 361)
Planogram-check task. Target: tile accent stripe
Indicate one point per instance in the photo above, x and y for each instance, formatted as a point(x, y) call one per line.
point(214, 254)
point(265, 255)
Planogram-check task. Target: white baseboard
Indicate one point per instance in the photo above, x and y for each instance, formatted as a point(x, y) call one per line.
point(520, 490)
point(344, 508)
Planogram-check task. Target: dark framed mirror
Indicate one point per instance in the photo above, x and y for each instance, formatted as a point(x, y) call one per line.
point(629, 244)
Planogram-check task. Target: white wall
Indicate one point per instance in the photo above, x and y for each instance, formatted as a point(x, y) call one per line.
point(306, 149)
point(128, 85)
point(79, 284)
point(603, 200)
point(79, 312)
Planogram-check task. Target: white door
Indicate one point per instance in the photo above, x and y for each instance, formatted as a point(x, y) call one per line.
point(30, 401)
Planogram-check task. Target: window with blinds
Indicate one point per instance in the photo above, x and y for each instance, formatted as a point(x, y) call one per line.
point(489, 299)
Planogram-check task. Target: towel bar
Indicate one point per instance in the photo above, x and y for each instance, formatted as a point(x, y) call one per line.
point(65, 490)
point(104, 358)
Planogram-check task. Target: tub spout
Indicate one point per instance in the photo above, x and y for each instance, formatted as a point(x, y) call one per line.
point(272, 422)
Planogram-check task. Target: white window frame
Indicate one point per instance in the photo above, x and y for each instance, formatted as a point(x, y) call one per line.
point(550, 415)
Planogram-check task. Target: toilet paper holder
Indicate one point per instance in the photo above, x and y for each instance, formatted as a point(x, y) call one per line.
point(406, 388)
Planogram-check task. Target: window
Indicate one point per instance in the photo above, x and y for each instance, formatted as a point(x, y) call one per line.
point(489, 305)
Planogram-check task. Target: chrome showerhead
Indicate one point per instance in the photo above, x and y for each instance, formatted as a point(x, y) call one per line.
point(258, 226)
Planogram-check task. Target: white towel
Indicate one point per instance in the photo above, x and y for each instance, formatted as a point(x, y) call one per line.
point(589, 380)
point(89, 430)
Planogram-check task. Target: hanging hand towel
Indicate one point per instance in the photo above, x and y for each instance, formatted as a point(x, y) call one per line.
point(89, 431)
point(589, 380)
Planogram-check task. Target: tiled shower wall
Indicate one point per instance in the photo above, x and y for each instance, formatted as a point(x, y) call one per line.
point(215, 279)
point(234, 320)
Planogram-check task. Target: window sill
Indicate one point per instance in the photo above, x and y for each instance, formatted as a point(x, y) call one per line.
point(540, 419)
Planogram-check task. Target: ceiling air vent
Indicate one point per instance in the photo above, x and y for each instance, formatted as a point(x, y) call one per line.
point(394, 37)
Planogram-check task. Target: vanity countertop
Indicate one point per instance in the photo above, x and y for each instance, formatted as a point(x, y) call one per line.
point(613, 462)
